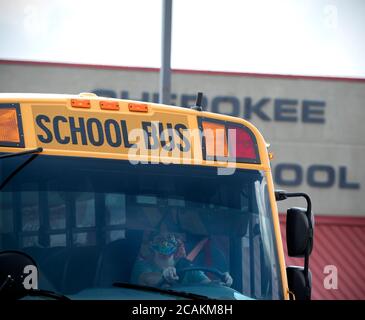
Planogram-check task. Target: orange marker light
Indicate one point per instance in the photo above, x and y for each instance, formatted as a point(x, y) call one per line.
point(215, 139)
point(9, 131)
point(138, 107)
point(109, 105)
point(76, 103)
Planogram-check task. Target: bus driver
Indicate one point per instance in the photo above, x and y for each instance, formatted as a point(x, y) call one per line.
point(167, 249)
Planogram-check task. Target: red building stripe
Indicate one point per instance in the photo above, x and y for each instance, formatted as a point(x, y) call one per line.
point(338, 241)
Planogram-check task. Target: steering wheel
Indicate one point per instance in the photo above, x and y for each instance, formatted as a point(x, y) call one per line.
point(181, 272)
point(184, 265)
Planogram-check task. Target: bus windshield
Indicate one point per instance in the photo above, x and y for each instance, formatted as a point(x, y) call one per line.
point(90, 223)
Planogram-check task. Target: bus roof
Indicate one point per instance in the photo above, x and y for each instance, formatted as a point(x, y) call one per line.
point(88, 125)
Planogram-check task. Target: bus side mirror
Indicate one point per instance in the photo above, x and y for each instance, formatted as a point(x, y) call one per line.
point(299, 240)
point(297, 282)
point(299, 233)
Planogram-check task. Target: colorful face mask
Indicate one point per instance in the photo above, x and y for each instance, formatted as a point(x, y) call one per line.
point(165, 244)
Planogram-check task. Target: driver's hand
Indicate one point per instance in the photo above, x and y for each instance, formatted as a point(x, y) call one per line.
point(169, 274)
point(227, 279)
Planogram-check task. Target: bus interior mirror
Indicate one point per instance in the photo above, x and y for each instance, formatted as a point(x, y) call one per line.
point(298, 233)
point(14, 268)
point(297, 283)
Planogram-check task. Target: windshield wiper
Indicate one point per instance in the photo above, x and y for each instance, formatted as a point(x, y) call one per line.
point(171, 292)
point(30, 292)
point(47, 294)
point(33, 152)
point(9, 155)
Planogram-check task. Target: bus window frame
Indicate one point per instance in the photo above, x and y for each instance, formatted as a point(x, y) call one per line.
point(100, 228)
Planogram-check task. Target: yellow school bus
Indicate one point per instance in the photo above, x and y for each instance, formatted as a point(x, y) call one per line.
point(121, 199)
